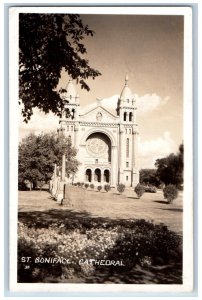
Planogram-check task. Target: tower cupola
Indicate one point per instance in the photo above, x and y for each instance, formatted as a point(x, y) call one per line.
point(126, 104)
point(70, 95)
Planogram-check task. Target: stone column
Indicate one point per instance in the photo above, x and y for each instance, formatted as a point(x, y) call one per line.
point(67, 201)
point(127, 116)
point(135, 168)
point(55, 171)
point(54, 185)
point(63, 168)
point(76, 130)
point(121, 151)
point(102, 177)
point(114, 167)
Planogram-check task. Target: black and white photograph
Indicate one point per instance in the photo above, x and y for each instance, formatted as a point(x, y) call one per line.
point(101, 149)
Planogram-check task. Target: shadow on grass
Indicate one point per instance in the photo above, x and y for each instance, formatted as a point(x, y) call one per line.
point(160, 201)
point(170, 274)
point(173, 209)
point(71, 219)
point(133, 198)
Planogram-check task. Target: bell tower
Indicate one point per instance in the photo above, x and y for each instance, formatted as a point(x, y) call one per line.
point(128, 131)
point(71, 102)
point(70, 114)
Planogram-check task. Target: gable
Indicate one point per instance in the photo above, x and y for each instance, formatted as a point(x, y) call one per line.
point(99, 114)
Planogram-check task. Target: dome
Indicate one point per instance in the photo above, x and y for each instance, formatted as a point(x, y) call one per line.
point(126, 92)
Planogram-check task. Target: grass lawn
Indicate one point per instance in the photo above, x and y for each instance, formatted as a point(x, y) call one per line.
point(111, 205)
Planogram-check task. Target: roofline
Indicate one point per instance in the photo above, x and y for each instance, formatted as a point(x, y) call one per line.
point(96, 108)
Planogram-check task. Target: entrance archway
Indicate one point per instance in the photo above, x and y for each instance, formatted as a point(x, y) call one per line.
point(106, 176)
point(97, 175)
point(88, 175)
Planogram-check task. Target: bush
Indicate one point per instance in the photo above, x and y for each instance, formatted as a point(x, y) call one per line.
point(79, 184)
point(82, 184)
point(92, 186)
point(107, 187)
point(99, 188)
point(139, 190)
point(170, 192)
point(150, 189)
point(86, 185)
point(134, 242)
point(121, 188)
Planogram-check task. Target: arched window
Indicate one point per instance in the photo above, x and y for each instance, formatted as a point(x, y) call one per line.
point(127, 147)
point(124, 116)
point(73, 113)
point(130, 117)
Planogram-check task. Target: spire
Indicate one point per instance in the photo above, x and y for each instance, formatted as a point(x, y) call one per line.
point(126, 92)
point(71, 92)
point(70, 95)
point(126, 80)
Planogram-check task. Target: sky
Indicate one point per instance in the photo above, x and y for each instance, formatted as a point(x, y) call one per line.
point(150, 50)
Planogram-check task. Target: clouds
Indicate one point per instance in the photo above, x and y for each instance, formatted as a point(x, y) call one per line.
point(150, 150)
point(149, 103)
point(145, 104)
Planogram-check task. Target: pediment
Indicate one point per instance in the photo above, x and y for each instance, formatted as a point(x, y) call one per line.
point(98, 114)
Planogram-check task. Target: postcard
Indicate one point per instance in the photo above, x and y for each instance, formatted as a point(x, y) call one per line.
point(101, 143)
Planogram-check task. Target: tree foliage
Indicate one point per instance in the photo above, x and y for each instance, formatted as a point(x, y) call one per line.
point(170, 168)
point(39, 153)
point(47, 44)
point(149, 177)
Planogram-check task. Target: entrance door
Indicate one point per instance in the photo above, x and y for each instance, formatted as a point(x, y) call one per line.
point(97, 175)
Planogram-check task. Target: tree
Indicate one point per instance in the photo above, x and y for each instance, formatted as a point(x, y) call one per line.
point(170, 168)
point(49, 43)
point(149, 177)
point(39, 153)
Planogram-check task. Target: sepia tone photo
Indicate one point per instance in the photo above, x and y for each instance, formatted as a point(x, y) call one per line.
point(101, 157)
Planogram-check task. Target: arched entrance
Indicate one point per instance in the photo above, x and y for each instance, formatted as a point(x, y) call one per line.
point(88, 175)
point(97, 175)
point(106, 176)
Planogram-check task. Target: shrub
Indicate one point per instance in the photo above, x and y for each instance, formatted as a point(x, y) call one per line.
point(135, 242)
point(92, 186)
point(82, 184)
point(139, 190)
point(107, 187)
point(78, 183)
point(170, 192)
point(99, 188)
point(86, 185)
point(150, 189)
point(121, 188)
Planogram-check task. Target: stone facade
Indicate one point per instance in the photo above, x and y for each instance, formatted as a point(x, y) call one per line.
point(106, 140)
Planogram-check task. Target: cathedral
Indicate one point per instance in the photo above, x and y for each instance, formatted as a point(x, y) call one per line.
point(106, 140)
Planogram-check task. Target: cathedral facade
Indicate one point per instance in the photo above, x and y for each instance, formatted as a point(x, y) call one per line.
point(106, 140)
